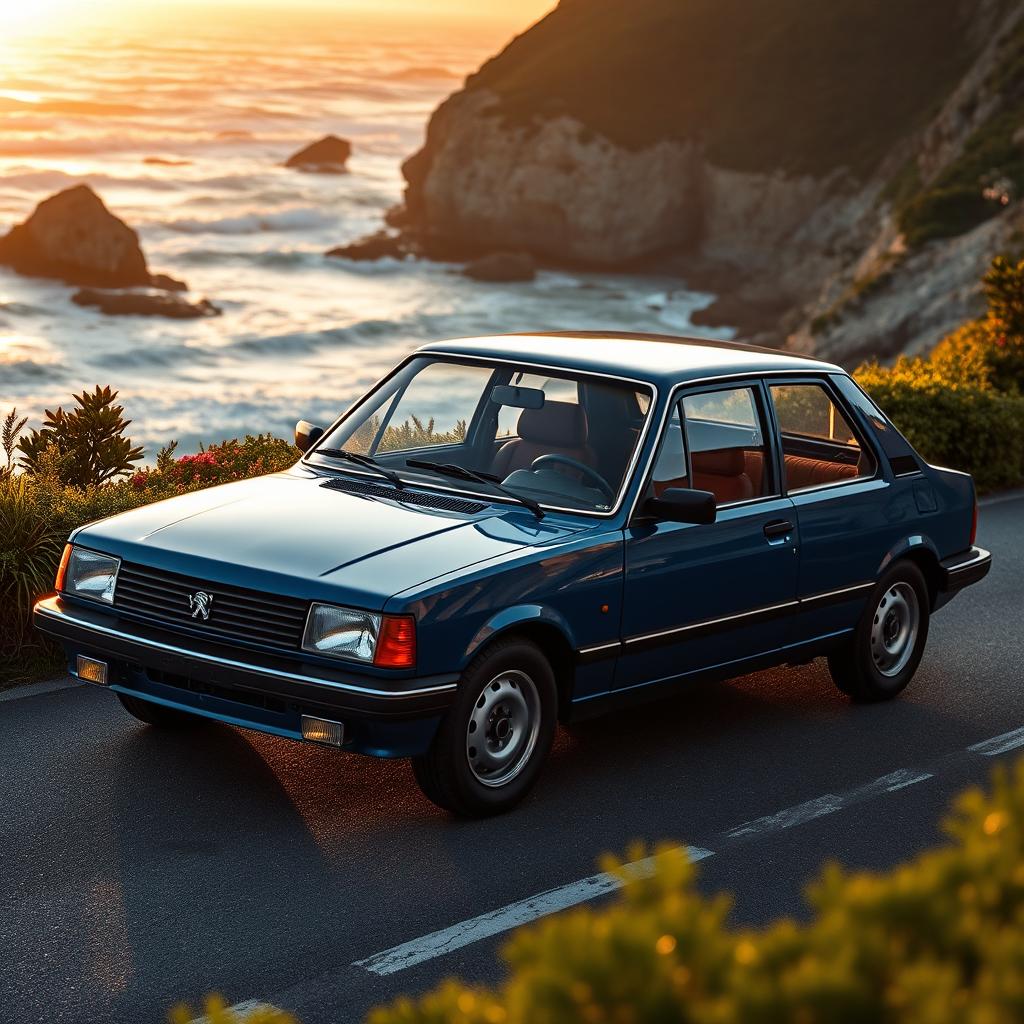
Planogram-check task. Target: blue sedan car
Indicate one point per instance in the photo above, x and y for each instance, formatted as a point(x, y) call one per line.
point(509, 532)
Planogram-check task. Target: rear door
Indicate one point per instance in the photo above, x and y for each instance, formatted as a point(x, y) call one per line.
point(830, 472)
point(700, 596)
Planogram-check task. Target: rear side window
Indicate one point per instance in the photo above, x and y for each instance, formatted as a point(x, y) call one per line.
point(819, 445)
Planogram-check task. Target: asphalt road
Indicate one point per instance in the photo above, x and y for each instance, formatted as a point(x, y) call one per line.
point(138, 868)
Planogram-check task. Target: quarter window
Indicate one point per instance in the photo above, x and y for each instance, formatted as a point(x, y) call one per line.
point(819, 446)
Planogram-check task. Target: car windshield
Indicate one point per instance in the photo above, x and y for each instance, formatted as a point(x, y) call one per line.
point(562, 440)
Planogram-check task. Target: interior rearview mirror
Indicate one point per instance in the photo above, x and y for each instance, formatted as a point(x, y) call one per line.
point(306, 435)
point(518, 398)
point(682, 505)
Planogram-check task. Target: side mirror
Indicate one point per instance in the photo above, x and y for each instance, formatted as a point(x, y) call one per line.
point(306, 435)
point(682, 505)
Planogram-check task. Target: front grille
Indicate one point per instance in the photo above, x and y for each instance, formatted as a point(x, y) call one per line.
point(235, 613)
point(427, 499)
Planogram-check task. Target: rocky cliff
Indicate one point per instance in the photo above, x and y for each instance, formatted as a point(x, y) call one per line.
point(793, 157)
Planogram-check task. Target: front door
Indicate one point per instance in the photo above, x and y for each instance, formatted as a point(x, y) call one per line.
point(704, 596)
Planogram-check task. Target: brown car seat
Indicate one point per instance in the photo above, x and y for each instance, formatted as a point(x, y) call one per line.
point(723, 472)
point(556, 428)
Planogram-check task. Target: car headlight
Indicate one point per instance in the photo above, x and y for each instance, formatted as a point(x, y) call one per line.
point(388, 641)
point(89, 574)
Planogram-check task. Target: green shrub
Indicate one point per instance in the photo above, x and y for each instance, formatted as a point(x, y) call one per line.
point(968, 427)
point(40, 507)
point(89, 439)
point(945, 213)
point(939, 939)
point(963, 405)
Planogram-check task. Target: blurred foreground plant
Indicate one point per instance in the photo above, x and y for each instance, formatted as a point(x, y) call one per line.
point(935, 941)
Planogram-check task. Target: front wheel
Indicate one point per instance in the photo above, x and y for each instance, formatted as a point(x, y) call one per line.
point(886, 647)
point(492, 742)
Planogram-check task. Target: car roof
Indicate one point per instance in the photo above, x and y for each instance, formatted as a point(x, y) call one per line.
point(658, 358)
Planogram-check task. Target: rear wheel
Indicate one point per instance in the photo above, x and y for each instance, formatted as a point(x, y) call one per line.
point(886, 647)
point(492, 742)
point(157, 714)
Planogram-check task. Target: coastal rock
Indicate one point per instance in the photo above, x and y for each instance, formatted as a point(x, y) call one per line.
point(481, 185)
point(777, 186)
point(166, 283)
point(378, 246)
point(326, 156)
point(502, 266)
point(72, 236)
point(142, 303)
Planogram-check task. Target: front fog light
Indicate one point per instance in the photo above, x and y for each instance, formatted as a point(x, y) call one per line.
point(341, 632)
point(91, 671)
point(90, 574)
point(322, 730)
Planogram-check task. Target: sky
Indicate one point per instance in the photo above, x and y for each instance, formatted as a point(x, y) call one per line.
point(26, 17)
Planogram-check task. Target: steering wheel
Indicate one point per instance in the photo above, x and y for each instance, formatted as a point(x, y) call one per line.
point(590, 474)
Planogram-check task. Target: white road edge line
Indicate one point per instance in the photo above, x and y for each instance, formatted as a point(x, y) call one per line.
point(416, 951)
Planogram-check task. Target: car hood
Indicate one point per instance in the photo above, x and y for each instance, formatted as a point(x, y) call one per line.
point(288, 534)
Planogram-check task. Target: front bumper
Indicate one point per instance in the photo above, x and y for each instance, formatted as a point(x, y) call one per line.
point(964, 569)
point(270, 693)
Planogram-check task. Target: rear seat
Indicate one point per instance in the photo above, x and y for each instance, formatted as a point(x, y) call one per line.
point(800, 471)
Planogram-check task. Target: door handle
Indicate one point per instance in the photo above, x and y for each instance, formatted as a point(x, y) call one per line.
point(777, 528)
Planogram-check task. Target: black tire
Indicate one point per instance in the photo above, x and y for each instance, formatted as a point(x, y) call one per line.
point(508, 677)
point(157, 714)
point(867, 669)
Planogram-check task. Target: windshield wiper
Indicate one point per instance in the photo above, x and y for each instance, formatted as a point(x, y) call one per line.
point(362, 460)
point(450, 469)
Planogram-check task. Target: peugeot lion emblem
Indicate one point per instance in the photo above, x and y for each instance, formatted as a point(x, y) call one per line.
point(200, 602)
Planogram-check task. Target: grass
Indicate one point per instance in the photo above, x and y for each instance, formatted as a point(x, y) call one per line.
point(31, 665)
point(794, 85)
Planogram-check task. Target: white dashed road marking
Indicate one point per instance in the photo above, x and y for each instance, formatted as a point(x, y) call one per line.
point(999, 744)
point(408, 954)
point(438, 943)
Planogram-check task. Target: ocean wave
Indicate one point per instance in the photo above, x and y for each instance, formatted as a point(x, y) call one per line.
point(299, 219)
point(30, 179)
point(419, 327)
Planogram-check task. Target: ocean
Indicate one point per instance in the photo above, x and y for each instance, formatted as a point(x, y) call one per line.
point(221, 102)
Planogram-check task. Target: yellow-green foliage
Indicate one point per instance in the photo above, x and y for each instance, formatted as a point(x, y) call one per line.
point(936, 941)
point(963, 404)
point(216, 1012)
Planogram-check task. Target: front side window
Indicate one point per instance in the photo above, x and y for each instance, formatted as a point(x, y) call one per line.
point(561, 439)
point(715, 441)
point(819, 446)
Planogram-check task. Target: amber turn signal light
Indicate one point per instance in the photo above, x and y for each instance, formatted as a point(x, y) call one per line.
point(63, 567)
point(396, 645)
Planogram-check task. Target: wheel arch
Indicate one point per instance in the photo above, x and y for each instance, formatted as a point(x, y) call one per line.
point(922, 552)
point(542, 627)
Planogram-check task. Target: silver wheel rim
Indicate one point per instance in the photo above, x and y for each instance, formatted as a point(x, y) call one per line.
point(894, 629)
point(502, 730)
